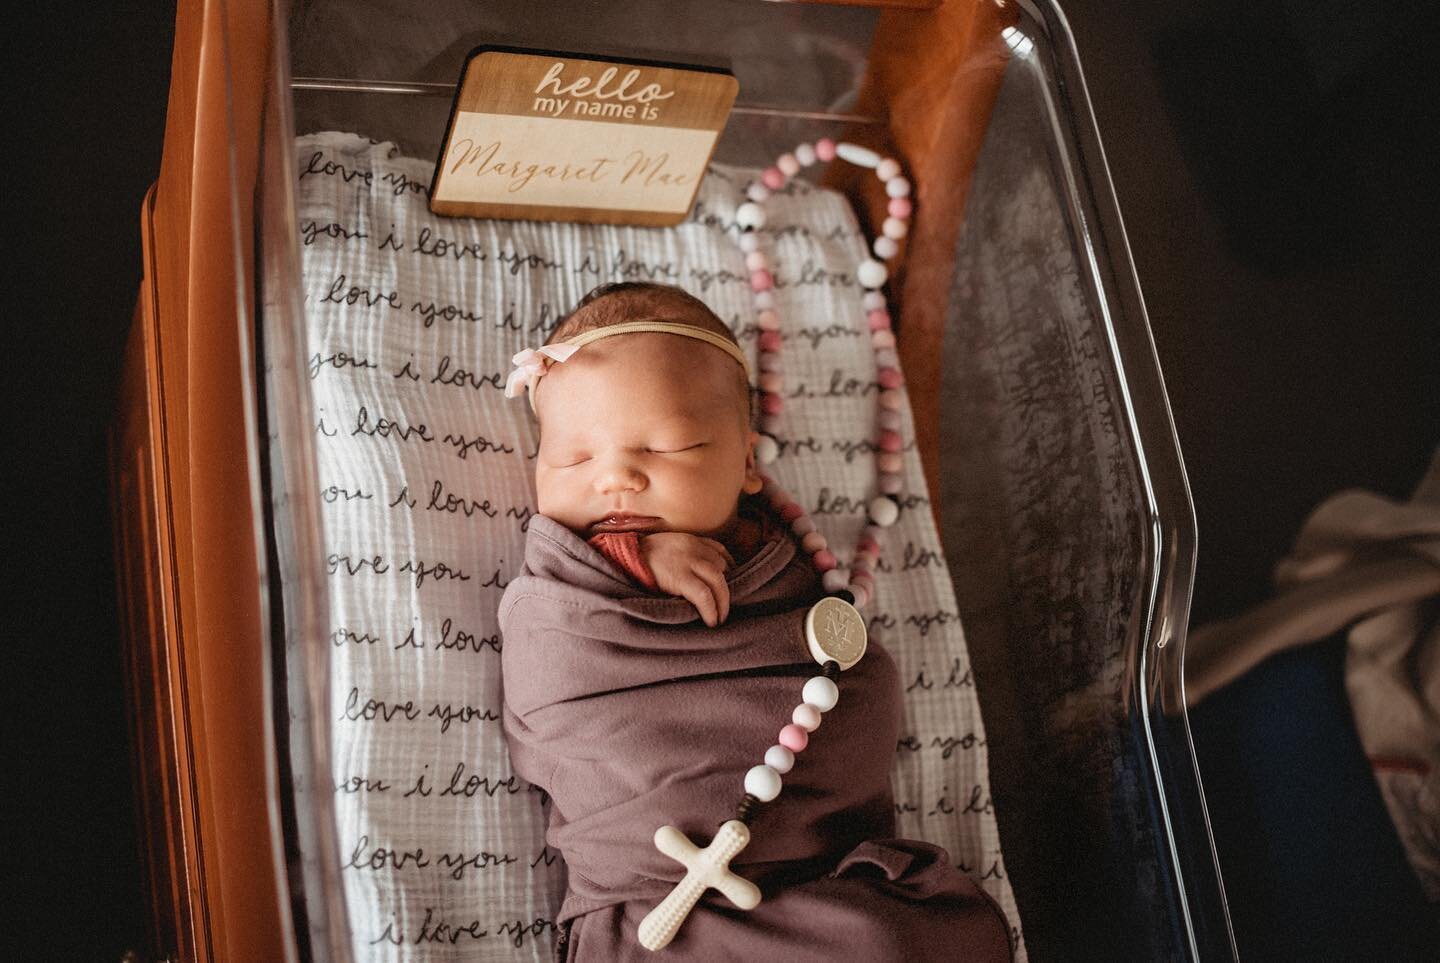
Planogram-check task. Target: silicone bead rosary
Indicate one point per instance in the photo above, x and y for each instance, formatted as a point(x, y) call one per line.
point(835, 631)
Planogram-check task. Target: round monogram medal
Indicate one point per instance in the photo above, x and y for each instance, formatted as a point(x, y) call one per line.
point(835, 630)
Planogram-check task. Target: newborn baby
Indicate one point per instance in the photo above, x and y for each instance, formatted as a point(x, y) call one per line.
point(655, 644)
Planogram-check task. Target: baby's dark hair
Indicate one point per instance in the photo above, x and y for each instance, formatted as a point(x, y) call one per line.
point(621, 301)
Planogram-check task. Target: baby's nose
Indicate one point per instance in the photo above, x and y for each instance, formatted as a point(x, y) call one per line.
point(620, 477)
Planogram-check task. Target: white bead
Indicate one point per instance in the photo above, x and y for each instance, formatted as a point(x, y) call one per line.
point(871, 273)
point(891, 484)
point(766, 450)
point(805, 154)
point(857, 155)
point(889, 420)
point(834, 580)
point(862, 595)
point(897, 187)
point(872, 300)
point(764, 300)
point(758, 192)
point(821, 693)
point(763, 783)
point(883, 511)
point(803, 526)
point(894, 228)
point(780, 759)
point(750, 215)
point(885, 248)
point(749, 242)
point(788, 164)
point(887, 168)
point(886, 358)
point(806, 716)
point(757, 261)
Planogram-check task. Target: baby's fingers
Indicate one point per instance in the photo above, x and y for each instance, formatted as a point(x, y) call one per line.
point(698, 593)
point(714, 578)
point(721, 549)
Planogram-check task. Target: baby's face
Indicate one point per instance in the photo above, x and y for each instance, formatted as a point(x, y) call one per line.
point(643, 432)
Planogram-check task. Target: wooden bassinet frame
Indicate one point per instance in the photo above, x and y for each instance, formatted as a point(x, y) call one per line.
point(186, 458)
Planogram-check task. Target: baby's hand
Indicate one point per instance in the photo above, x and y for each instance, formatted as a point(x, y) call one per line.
point(692, 567)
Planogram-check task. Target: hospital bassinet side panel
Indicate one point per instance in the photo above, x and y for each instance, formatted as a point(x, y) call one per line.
point(186, 491)
point(159, 735)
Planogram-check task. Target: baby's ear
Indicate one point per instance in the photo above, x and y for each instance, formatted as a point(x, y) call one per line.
point(753, 482)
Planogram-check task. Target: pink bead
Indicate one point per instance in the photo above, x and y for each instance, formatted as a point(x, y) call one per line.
point(865, 579)
point(872, 300)
point(758, 193)
point(886, 358)
point(889, 462)
point(889, 420)
point(768, 321)
point(806, 716)
point(772, 178)
point(794, 738)
point(771, 424)
point(878, 320)
point(761, 280)
point(883, 339)
point(889, 377)
point(749, 241)
point(769, 341)
point(891, 484)
point(892, 400)
point(771, 404)
point(814, 542)
point(862, 595)
point(757, 261)
point(772, 382)
point(825, 149)
point(803, 525)
point(868, 545)
point(890, 441)
point(887, 168)
point(825, 560)
point(900, 207)
point(834, 580)
point(789, 166)
point(874, 533)
point(791, 511)
point(764, 300)
point(770, 360)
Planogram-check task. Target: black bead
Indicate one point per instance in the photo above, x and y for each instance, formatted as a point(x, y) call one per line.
point(830, 670)
point(844, 595)
point(745, 808)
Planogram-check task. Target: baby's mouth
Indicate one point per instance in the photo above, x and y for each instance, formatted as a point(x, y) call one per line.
point(625, 522)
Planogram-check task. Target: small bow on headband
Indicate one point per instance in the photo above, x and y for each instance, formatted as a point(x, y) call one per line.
point(531, 364)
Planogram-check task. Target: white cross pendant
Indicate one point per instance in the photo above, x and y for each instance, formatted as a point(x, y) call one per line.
point(707, 868)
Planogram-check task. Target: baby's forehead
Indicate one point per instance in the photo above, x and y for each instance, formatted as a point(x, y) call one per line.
point(661, 374)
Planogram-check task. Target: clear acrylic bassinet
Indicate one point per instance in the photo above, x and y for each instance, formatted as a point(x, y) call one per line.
point(1061, 500)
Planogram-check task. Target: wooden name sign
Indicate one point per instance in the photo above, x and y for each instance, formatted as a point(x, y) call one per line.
point(557, 137)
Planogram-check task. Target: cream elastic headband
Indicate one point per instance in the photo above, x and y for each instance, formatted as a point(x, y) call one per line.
point(532, 363)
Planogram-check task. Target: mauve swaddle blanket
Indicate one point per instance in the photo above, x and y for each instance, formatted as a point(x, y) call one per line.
point(632, 713)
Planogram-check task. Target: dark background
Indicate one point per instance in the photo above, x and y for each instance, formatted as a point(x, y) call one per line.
point(1274, 164)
